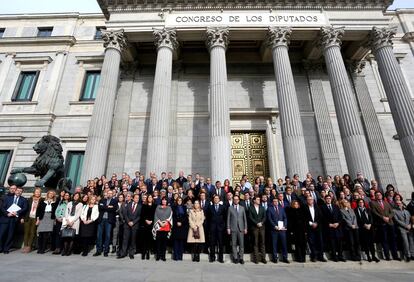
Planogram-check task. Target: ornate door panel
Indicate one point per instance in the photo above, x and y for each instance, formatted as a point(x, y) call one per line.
point(249, 155)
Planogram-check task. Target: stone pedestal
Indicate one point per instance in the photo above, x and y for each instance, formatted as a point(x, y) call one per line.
point(352, 133)
point(291, 124)
point(99, 135)
point(159, 125)
point(397, 91)
point(217, 40)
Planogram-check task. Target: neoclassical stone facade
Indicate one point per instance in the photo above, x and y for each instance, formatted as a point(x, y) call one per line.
point(328, 85)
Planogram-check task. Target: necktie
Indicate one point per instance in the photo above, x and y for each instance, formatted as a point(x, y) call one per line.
point(330, 207)
point(16, 199)
point(202, 204)
point(237, 208)
point(277, 209)
point(381, 204)
point(288, 197)
point(216, 208)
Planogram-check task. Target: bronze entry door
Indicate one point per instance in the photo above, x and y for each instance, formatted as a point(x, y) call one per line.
point(249, 155)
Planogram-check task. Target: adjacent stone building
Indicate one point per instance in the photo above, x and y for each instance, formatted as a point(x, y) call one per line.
point(219, 88)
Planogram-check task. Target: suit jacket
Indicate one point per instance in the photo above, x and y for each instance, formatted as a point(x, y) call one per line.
point(275, 215)
point(217, 219)
point(349, 218)
point(181, 181)
point(255, 217)
point(236, 220)
point(402, 219)
point(221, 193)
point(7, 202)
point(131, 215)
point(103, 207)
point(293, 196)
point(378, 212)
point(363, 218)
point(308, 217)
point(329, 217)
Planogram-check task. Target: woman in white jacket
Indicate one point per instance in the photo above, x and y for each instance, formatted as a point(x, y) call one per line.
point(90, 213)
point(71, 219)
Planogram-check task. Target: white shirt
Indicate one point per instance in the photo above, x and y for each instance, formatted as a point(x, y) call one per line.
point(312, 212)
point(257, 209)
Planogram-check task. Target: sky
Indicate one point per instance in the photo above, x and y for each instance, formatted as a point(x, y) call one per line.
point(91, 6)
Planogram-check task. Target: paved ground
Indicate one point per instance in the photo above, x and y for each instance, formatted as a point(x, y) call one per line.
point(18, 267)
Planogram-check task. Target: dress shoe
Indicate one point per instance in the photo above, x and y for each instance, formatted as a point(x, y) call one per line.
point(131, 256)
point(163, 259)
point(142, 256)
point(241, 261)
point(407, 259)
point(342, 259)
point(220, 260)
point(397, 259)
point(113, 249)
point(157, 258)
point(105, 254)
point(255, 261)
point(322, 260)
point(274, 260)
point(375, 259)
point(84, 254)
point(285, 260)
point(264, 261)
point(235, 261)
point(97, 254)
point(6, 252)
point(147, 255)
point(120, 256)
point(56, 252)
point(211, 259)
point(313, 259)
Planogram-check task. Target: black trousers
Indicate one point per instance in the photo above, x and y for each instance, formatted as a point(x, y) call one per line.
point(335, 240)
point(147, 241)
point(42, 241)
point(315, 243)
point(161, 243)
point(216, 240)
point(366, 239)
point(86, 243)
point(129, 240)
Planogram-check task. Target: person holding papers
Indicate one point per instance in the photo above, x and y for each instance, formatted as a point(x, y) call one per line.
point(278, 222)
point(12, 211)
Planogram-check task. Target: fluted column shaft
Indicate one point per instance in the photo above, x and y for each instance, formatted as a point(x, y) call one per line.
point(96, 153)
point(291, 124)
point(397, 91)
point(380, 157)
point(350, 126)
point(159, 125)
point(329, 150)
point(217, 40)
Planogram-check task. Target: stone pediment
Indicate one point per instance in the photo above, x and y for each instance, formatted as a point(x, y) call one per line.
point(109, 6)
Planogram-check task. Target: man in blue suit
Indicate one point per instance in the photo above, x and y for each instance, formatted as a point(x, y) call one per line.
point(275, 215)
point(8, 219)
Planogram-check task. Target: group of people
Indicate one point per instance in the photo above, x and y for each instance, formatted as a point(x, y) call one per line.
point(134, 214)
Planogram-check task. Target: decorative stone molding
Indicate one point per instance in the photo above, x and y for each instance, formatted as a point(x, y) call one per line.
point(381, 37)
point(331, 36)
point(355, 66)
point(314, 65)
point(408, 37)
point(166, 37)
point(217, 37)
point(278, 36)
point(115, 39)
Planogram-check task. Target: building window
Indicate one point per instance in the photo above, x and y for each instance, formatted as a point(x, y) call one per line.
point(5, 158)
point(26, 85)
point(90, 86)
point(98, 32)
point(74, 163)
point(44, 31)
point(2, 32)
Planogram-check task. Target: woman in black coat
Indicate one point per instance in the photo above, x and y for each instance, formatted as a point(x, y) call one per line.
point(296, 228)
point(180, 228)
point(146, 224)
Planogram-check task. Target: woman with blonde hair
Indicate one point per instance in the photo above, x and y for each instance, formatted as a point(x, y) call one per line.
point(196, 230)
point(350, 229)
point(89, 215)
point(71, 223)
point(30, 220)
point(45, 220)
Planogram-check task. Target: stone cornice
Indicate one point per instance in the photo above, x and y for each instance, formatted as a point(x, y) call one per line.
point(51, 40)
point(110, 6)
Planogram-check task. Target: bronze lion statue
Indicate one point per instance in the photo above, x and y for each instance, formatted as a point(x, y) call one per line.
point(49, 164)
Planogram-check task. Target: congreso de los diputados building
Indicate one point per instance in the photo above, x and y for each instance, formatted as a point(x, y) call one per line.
point(221, 88)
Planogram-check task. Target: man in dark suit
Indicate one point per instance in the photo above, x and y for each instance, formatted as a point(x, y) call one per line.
point(237, 227)
point(257, 218)
point(219, 191)
point(332, 227)
point(217, 224)
point(209, 188)
point(383, 214)
point(248, 238)
point(313, 220)
point(289, 196)
point(181, 179)
point(132, 214)
point(170, 180)
point(9, 219)
point(106, 219)
point(278, 223)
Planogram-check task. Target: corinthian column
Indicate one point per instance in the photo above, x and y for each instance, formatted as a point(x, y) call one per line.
point(96, 152)
point(350, 126)
point(291, 125)
point(159, 125)
point(217, 40)
point(398, 94)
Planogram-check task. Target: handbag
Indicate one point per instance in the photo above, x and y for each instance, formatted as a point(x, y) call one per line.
point(196, 233)
point(68, 232)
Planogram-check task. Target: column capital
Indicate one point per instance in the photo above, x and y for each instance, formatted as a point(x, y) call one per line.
point(115, 39)
point(217, 37)
point(278, 36)
point(356, 66)
point(331, 36)
point(381, 37)
point(166, 37)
